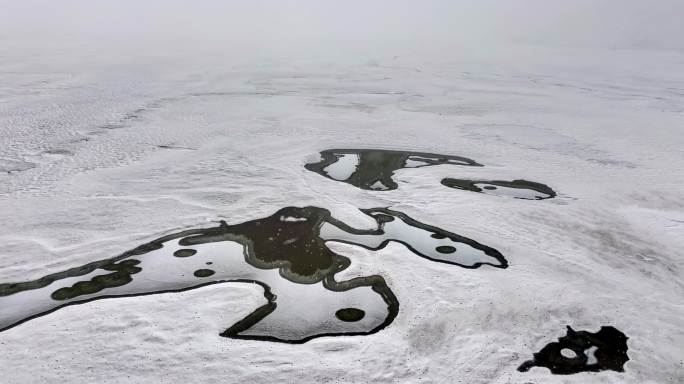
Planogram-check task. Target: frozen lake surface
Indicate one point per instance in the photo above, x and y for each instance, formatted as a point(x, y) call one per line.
point(100, 153)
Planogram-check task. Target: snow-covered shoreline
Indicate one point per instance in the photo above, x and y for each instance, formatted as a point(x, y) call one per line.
point(128, 151)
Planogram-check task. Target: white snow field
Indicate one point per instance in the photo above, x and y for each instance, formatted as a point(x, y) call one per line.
point(102, 151)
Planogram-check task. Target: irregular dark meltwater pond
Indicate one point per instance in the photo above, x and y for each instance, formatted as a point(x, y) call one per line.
point(519, 189)
point(373, 169)
point(582, 351)
point(285, 253)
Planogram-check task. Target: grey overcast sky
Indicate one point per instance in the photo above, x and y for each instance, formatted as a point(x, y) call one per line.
point(312, 24)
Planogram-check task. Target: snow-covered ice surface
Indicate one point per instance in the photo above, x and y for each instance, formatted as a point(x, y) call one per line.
point(101, 153)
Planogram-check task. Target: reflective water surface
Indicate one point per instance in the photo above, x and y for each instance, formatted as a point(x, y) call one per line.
point(372, 169)
point(518, 189)
point(285, 253)
point(582, 351)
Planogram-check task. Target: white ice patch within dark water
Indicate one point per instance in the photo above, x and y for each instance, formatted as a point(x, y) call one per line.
point(343, 168)
point(292, 219)
point(379, 186)
point(591, 357)
point(411, 162)
point(569, 353)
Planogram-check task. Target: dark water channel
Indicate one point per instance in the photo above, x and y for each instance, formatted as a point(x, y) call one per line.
point(285, 253)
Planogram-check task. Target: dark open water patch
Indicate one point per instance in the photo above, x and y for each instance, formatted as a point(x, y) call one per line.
point(287, 250)
point(372, 169)
point(519, 189)
point(122, 275)
point(350, 314)
point(184, 252)
point(445, 249)
point(582, 351)
point(203, 272)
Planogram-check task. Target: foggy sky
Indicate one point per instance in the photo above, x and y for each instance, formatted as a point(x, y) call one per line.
point(320, 24)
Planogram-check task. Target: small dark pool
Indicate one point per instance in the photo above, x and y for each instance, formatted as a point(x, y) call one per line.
point(519, 189)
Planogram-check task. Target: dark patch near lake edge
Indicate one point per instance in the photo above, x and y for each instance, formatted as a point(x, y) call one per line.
point(185, 252)
point(203, 272)
point(469, 185)
point(610, 352)
point(290, 265)
point(120, 277)
point(379, 165)
point(437, 233)
point(350, 314)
